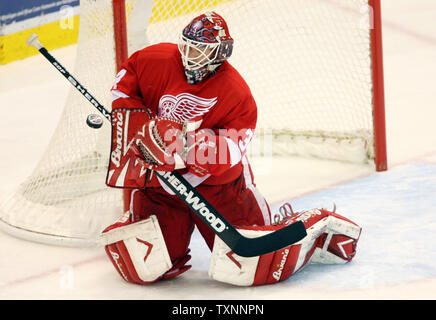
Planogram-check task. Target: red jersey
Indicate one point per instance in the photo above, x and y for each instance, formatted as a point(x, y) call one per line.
point(154, 78)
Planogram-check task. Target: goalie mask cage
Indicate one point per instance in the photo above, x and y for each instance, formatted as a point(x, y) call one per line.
point(314, 68)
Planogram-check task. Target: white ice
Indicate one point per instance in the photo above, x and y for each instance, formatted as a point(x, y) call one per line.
point(396, 255)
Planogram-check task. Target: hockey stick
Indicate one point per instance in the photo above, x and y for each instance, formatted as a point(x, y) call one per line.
point(241, 245)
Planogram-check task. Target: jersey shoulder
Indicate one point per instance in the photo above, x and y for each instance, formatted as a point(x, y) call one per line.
point(159, 53)
point(229, 77)
point(237, 105)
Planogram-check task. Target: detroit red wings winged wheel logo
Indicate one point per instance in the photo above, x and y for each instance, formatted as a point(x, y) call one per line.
point(184, 106)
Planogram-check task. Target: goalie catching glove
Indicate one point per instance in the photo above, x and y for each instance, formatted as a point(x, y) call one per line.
point(160, 144)
point(167, 145)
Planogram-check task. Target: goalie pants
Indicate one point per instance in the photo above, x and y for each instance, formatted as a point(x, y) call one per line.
point(239, 202)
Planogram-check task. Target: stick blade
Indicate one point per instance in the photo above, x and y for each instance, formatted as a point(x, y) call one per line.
point(252, 247)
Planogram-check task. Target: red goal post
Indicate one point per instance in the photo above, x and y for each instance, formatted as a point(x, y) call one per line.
point(380, 158)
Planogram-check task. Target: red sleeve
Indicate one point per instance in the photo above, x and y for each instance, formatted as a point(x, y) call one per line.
point(125, 91)
point(220, 149)
point(241, 123)
point(239, 128)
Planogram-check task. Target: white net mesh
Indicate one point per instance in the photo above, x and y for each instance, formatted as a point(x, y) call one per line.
point(307, 62)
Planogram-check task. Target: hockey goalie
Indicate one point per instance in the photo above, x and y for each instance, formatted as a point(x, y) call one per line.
point(184, 107)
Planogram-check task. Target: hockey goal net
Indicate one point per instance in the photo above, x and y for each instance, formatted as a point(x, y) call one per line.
point(314, 68)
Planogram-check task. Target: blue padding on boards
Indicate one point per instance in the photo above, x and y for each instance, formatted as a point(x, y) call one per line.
point(19, 10)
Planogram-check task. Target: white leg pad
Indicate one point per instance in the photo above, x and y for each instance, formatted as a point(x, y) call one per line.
point(228, 267)
point(145, 246)
point(336, 226)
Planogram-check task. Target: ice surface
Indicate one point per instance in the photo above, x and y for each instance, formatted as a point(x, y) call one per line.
point(396, 254)
point(395, 210)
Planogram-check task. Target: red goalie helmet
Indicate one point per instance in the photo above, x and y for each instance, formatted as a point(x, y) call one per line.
point(204, 44)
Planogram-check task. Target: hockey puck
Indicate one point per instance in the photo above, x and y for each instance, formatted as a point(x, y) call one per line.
point(94, 121)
